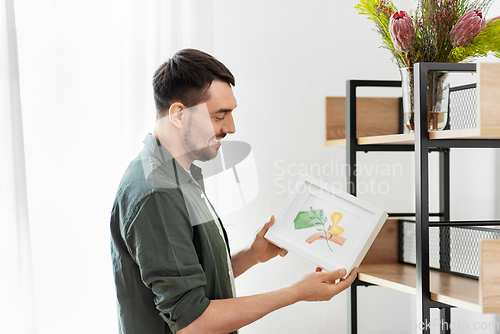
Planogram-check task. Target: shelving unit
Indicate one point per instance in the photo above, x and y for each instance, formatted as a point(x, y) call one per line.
point(432, 288)
point(409, 138)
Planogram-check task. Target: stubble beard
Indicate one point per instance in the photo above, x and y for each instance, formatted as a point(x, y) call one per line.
point(201, 154)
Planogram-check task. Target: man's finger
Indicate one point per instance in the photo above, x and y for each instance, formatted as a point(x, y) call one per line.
point(266, 226)
point(345, 283)
point(333, 275)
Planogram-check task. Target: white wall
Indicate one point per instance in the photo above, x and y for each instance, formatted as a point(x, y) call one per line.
point(287, 56)
point(85, 74)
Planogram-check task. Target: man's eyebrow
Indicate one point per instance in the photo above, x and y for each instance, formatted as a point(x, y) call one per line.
point(224, 110)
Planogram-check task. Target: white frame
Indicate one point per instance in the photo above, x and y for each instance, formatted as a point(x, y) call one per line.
point(364, 221)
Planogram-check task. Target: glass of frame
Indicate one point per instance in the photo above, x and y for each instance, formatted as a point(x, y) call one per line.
point(327, 226)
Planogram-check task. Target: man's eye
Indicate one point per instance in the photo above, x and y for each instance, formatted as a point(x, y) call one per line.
point(219, 118)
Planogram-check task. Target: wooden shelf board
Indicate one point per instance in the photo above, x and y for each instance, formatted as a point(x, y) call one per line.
point(394, 276)
point(398, 139)
point(466, 134)
point(409, 138)
point(454, 134)
point(445, 288)
point(335, 142)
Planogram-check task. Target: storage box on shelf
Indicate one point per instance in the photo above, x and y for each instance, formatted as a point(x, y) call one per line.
point(462, 255)
point(489, 276)
point(377, 116)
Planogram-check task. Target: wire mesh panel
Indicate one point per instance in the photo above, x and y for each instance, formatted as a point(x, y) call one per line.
point(463, 107)
point(463, 253)
point(409, 254)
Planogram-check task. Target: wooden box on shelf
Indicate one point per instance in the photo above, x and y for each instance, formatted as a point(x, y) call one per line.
point(489, 276)
point(376, 116)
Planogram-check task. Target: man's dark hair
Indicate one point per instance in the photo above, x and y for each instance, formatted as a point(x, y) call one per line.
point(185, 78)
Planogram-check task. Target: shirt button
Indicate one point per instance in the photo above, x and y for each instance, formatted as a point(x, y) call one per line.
point(202, 196)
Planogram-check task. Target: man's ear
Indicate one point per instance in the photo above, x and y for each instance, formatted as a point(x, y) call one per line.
point(176, 114)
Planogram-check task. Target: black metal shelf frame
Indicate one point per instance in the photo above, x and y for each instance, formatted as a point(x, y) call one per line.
point(421, 147)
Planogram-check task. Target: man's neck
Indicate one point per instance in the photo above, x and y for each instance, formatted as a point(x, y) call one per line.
point(172, 145)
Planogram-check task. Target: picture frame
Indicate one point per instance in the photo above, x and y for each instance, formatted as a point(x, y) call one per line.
point(326, 225)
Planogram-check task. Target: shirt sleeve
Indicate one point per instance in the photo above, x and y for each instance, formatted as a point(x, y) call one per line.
point(160, 240)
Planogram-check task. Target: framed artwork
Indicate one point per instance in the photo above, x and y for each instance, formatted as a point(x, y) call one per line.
point(327, 226)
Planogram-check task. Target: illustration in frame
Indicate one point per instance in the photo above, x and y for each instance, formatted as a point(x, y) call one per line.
point(325, 225)
point(317, 219)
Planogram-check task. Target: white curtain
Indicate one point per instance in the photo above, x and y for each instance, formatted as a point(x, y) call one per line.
point(85, 69)
point(151, 32)
point(16, 279)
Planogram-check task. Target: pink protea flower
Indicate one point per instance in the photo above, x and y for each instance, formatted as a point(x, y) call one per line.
point(493, 19)
point(402, 31)
point(467, 27)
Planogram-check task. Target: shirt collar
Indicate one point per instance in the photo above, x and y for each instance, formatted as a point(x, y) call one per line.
point(172, 168)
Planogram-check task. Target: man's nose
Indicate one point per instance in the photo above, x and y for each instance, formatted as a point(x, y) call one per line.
point(228, 126)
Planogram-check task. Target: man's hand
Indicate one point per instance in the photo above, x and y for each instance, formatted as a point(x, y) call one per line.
point(261, 250)
point(322, 286)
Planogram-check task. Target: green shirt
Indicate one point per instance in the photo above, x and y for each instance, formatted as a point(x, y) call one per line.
point(170, 257)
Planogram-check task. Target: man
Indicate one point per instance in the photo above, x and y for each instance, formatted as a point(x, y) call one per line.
point(172, 266)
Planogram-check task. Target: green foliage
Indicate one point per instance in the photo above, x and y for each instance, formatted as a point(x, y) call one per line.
point(487, 42)
point(323, 227)
point(380, 13)
point(433, 21)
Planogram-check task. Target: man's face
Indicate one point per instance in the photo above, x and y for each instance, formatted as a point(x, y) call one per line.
point(209, 122)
